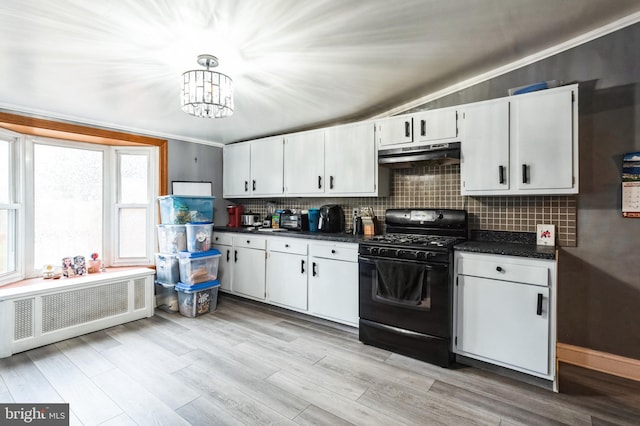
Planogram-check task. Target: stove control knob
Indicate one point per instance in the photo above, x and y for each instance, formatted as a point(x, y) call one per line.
point(413, 254)
point(399, 253)
point(374, 250)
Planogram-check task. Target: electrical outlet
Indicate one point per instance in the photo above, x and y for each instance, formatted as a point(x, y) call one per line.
point(356, 212)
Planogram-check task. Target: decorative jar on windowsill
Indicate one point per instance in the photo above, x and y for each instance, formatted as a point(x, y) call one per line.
point(95, 264)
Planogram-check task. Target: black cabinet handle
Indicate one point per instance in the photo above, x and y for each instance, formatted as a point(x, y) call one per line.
point(501, 173)
point(246, 186)
point(539, 308)
point(228, 255)
point(525, 178)
point(217, 238)
point(319, 182)
point(423, 127)
point(499, 269)
point(407, 129)
point(254, 185)
point(248, 241)
point(235, 256)
point(286, 245)
point(302, 266)
point(330, 182)
point(313, 269)
point(333, 251)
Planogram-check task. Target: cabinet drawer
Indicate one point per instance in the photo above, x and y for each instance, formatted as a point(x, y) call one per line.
point(505, 268)
point(346, 252)
point(250, 242)
point(222, 239)
point(293, 246)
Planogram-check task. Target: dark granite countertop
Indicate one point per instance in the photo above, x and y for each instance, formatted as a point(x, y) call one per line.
point(335, 237)
point(521, 244)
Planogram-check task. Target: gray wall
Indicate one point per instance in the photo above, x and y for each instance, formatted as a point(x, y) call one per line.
point(201, 163)
point(599, 280)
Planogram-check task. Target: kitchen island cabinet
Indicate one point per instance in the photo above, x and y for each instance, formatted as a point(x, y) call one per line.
point(504, 311)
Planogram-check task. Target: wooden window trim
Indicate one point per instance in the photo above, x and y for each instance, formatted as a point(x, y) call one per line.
point(79, 133)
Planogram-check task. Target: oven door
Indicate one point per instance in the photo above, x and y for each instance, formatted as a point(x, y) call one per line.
point(408, 295)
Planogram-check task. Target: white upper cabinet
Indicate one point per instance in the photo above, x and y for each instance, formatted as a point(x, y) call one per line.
point(351, 160)
point(544, 136)
point(267, 166)
point(395, 130)
point(435, 125)
point(236, 170)
point(253, 168)
point(485, 148)
point(304, 163)
point(418, 128)
point(521, 145)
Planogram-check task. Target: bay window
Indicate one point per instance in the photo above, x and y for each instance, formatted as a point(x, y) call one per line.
point(75, 199)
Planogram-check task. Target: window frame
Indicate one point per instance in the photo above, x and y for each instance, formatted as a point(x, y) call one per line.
point(16, 204)
point(21, 126)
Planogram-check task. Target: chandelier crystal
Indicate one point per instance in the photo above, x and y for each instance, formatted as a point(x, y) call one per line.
point(206, 93)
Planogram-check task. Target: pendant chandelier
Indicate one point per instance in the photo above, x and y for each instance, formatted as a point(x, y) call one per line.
point(207, 93)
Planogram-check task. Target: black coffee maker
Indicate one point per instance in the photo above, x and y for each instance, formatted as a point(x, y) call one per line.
point(331, 218)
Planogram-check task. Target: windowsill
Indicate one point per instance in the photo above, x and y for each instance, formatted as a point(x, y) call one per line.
point(37, 285)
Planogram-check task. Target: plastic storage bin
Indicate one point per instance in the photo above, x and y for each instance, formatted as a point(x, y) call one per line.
point(166, 297)
point(197, 268)
point(199, 236)
point(167, 268)
point(176, 209)
point(198, 299)
point(172, 238)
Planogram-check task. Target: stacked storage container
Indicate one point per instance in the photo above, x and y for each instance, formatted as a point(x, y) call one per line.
point(185, 230)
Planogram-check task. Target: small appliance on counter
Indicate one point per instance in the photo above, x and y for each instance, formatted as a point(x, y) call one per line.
point(314, 216)
point(250, 219)
point(294, 221)
point(331, 219)
point(235, 216)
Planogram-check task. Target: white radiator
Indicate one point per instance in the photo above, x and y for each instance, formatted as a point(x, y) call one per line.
point(49, 311)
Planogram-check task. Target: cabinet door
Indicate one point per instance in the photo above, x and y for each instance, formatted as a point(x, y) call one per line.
point(287, 279)
point(485, 147)
point(434, 125)
point(350, 159)
point(236, 170)
point(396, 130)
point(543, 140)
point(249, 272)
point(267, 166)
point(225, 266)
point(499, 321)
point(333, 290)
point(304, 163)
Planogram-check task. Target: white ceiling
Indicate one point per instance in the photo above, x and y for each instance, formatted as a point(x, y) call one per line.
point(296, 64)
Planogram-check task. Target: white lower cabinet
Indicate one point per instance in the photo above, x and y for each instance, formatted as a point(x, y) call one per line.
point(333, 283)
point(224, 244)
point(505, 311)
point(249, 266)
point(287, 271)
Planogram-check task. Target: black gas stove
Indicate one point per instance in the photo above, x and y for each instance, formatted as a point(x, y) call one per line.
point(405, 283)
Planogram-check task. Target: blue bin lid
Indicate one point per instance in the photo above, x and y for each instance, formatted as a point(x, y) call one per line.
point(197, 287)
point(199, 197)
point(195, 255)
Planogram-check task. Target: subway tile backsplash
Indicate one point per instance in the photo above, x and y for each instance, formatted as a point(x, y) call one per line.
point(439, 187)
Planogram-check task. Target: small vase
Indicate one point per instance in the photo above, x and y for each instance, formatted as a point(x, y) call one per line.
point(95, 265)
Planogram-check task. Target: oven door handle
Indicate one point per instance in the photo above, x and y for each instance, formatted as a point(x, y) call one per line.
point(428, 266)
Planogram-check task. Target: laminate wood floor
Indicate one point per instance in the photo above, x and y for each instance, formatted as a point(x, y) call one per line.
point(251, 364)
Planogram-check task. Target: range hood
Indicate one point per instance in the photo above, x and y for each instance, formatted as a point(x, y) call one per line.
point(435, 154)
